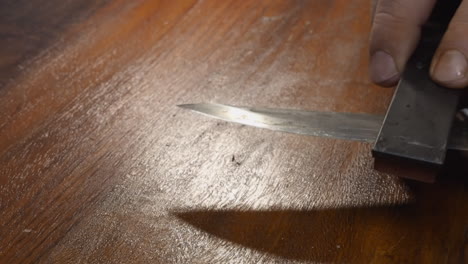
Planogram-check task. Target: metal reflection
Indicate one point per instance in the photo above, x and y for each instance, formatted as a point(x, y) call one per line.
point(347, 126)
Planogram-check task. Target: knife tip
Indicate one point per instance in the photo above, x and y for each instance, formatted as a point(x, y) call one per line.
point(186, 106)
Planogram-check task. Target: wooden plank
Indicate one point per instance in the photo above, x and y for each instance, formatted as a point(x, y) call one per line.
point(98, 165)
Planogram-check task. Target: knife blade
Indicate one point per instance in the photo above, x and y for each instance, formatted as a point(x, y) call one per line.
point(346, 126)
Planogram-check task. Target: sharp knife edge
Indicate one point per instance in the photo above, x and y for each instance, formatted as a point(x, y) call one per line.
point(347, 126)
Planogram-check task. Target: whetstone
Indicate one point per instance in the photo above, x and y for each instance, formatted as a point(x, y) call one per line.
point(418, 122)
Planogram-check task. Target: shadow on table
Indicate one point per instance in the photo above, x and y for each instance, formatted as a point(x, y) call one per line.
point(433, 225)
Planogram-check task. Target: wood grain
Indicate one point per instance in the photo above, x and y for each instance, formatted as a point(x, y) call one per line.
point(98, 165)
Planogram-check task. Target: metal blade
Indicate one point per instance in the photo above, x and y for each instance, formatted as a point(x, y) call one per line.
point(347, 126)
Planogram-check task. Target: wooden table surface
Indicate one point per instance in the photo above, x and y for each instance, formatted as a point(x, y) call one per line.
point(98, 165)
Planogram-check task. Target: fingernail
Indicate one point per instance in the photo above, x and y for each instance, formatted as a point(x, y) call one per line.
point(451, 66)
point(383, 69)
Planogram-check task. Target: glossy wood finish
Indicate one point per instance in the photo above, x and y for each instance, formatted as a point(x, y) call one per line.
point(98, 165)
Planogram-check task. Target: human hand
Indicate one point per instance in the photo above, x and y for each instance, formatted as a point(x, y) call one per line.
point(395, 35)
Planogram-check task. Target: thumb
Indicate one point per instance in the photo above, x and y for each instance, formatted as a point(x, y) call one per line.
point(396, 30)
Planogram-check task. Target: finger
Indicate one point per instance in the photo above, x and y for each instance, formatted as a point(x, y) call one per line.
point(449, 66)
point(396, 30)
point(374, 5)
